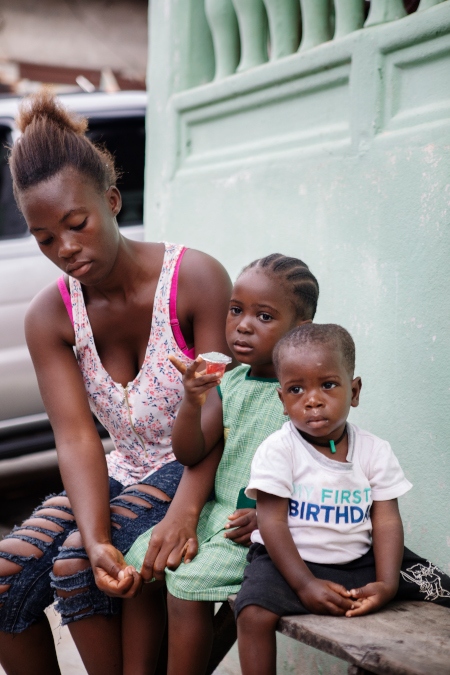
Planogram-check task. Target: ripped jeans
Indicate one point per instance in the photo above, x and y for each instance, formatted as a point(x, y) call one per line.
point(49, 540)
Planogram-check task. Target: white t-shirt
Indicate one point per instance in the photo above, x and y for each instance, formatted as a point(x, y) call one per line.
point(329, 501)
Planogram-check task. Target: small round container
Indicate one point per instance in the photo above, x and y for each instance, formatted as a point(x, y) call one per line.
point(215, 362)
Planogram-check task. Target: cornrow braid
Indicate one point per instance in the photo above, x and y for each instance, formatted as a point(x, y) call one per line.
point(297, 278)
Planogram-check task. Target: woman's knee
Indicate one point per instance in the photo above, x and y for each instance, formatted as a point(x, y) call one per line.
point(73, 582)
point(31, 541)
point(72, 558)
point(25, 562)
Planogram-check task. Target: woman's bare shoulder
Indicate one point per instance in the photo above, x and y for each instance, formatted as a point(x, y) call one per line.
point(200, 271)
point(48, 315)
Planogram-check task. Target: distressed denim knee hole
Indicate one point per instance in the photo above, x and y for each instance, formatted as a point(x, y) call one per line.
point(34, 533)
point(53, 512)
point(123, 511)
point(43, 523)
point(132, 499)
point(18, 546)
point(77, 595)
point(9, 563)
point(150, 490)
point(67, 567)
point(57, 500)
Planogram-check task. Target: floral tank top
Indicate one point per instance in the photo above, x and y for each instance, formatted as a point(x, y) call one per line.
point(140, 416)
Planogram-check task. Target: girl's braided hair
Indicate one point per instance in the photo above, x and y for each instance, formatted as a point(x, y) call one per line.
point(296, 277)
point(53, 138)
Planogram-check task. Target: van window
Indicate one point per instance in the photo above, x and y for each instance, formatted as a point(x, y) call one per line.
point(125, 139)
point(12, 223)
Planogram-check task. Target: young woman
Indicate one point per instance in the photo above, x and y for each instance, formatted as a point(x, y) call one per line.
point(99, 340)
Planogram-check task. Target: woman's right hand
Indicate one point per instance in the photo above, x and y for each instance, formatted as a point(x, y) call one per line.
point(112, 574)
point(196, 384)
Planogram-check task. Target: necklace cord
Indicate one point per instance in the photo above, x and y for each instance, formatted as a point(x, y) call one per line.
point(326, 444)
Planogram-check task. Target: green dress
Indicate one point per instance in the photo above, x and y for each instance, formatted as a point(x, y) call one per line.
point(251, 412)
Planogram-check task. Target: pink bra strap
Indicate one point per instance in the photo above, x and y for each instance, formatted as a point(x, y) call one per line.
point(175, 324)
point(66, 297)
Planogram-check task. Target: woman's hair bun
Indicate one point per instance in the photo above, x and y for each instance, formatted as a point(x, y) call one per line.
point(45, 106)
point(53, 138)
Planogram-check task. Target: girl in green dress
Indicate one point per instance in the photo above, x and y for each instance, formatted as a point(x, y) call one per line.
point(241, 408)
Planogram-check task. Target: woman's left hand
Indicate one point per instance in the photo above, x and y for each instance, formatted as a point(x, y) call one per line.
point(240, 525)
point(173, 539)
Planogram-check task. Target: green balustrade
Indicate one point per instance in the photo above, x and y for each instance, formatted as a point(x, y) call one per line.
point(426, 4)
point(284, 24)
point(383, 11)
point(223, 24)
point(316, 27)
point(252, 19)
point(349, 17)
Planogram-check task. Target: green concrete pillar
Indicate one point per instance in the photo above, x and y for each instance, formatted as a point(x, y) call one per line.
point(316, 27)
point(252, 19)
point(383, 11)
point(284, 23)
point(349, 16)
point(426, 4)
point(224, 28)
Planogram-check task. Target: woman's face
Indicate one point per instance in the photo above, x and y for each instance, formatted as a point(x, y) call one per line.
point(74, 224)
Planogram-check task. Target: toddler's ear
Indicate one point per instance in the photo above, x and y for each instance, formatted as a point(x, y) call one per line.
point(280, 396)
point(356, 390)
point(301, 322)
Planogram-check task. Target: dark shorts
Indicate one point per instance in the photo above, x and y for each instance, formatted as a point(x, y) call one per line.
point(264, 586)
point(33, 588)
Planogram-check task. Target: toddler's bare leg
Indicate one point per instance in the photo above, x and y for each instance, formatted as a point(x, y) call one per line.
point(190, 636)
point(257, 641)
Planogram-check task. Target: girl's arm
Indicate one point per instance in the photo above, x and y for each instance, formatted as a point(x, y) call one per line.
point(199, 423)
point(81, 456)
point(204, 297)
point(175, 537)
point(388, 546)
point(317, 595)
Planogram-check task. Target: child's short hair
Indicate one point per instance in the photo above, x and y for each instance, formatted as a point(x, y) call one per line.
point(296, 277)
point(329, 334)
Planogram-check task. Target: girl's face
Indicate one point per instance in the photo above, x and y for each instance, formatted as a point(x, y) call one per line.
point(74, 224)
point(317, 390)
point(259, 315)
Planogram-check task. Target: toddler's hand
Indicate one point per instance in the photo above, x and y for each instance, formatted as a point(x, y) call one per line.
point(243, 522)
point(370, 598)
point(196, 384)
point(326, 597)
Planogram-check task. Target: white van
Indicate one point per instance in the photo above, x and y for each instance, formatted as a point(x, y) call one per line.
point(118, 121)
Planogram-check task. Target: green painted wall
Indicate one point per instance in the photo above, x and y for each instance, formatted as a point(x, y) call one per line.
point(339, 155)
